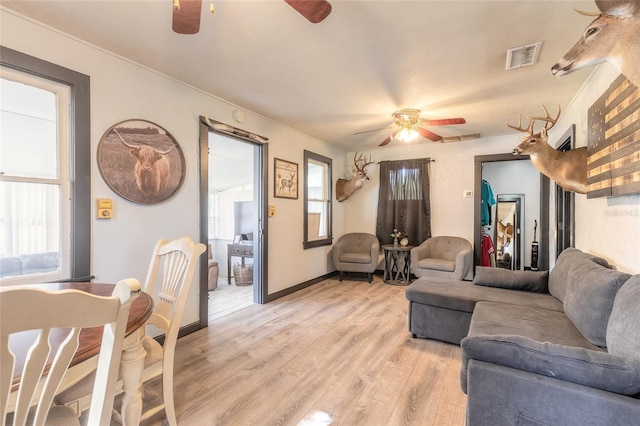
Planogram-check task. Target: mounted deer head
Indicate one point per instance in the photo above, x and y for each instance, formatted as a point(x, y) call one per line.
point(344, 187)
point(612, 36)
point(568, 168)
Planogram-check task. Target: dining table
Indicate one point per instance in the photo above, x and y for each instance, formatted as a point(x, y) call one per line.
point(85, 359)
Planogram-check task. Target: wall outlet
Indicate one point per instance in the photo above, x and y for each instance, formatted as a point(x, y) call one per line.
point(467, 194)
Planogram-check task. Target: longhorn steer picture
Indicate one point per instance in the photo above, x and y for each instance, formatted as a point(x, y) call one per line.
point(613, 36)
point(141, 162)
point(344, 187)
point(152, 167)
point(567, 168)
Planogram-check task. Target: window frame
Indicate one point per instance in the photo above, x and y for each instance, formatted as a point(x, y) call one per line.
point(306, 243)
point(79, 165)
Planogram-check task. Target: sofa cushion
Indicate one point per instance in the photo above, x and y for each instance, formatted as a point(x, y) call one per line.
point(586, 367)
point(437, 264)
point(514, 280)
point(463, 295)
point(623, 330)
point(542, 325)
point(589, 299)
point(568, 261)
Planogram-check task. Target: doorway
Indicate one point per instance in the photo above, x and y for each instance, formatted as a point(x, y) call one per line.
point(232, 194)
point(537, 206)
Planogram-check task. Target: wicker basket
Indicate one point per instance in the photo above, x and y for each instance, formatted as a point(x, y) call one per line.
point(243, 274)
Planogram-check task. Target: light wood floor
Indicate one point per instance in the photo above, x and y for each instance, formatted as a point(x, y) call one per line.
point(342, 349)
point(228, 298)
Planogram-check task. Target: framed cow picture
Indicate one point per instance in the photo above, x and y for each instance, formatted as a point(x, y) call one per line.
point(141, 161)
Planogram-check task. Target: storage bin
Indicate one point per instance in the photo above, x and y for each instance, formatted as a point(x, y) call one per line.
point(243, 274)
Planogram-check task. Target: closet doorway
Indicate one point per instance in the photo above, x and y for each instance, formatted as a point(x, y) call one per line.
point(503, 172)
point(232, 205)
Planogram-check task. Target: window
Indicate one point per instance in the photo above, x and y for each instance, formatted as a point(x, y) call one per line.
point(403, 200)
point(44, 171)
point(317, 200)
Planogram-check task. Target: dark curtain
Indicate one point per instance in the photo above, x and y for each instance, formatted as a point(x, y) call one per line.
point(403, 201)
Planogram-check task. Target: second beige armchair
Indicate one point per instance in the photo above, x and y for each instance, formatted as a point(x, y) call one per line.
point(443, 257)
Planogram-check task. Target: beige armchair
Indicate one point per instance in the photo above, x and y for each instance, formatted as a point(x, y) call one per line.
point(443, 257)
point(356, 252)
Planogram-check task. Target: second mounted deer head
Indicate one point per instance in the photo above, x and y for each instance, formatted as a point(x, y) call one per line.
point(344, 187)
point(567, 168)
point(612, 36)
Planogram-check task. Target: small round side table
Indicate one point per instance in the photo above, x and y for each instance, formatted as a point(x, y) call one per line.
point(397, 264)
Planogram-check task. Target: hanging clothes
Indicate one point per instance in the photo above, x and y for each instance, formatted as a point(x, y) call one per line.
point(488, 252)
point(486, 201)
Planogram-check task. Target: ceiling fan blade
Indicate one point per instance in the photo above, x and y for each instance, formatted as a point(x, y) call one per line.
point(443, 122)
point(186, 20)
point(314, 10)
point(374, 130)
point(389, 139)
point(428, 134)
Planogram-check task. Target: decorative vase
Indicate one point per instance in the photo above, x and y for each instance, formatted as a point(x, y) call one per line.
point(395, 242)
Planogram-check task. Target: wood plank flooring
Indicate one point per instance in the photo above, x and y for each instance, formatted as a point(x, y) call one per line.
point(338, 348)
point(228, 298)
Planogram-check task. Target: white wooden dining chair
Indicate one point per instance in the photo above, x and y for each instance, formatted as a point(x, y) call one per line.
point(169, 278)
point(54, 320)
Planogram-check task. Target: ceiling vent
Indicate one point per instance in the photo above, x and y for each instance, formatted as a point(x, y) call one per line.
point(523, 56)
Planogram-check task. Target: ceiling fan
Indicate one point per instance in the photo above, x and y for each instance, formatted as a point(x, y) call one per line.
point(409, 126)
point(186, 13)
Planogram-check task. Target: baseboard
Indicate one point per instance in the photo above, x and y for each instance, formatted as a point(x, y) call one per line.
point(277, 295)
point(184, 330)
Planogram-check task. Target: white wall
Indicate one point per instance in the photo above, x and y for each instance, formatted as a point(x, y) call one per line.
point(606, 227)
point(121, 90)
point(450, 175)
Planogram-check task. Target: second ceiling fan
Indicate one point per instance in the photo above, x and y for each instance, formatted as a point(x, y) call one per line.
point(186, 13)
point(409, 126)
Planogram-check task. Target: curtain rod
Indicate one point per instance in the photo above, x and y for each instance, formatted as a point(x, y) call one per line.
point(430, 160)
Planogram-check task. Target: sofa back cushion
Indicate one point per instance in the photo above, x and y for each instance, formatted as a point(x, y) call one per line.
point(623, 330)
point(535, 281)
point(567, 262)
point(589, 297)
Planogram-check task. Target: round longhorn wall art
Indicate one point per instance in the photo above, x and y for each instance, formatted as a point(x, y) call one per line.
point(141, 161)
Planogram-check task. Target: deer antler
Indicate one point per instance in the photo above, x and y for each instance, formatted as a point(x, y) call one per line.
point(532, 121)
point(548, 118)
point(520, 128)
point(362, 160)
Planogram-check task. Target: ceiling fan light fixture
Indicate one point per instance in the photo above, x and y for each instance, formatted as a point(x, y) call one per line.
point(406, 134)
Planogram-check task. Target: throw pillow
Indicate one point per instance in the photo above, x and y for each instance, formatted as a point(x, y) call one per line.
point(623, 330)
point(535, 281)
point(589, 299)
point(569, 260)
point(572, 364)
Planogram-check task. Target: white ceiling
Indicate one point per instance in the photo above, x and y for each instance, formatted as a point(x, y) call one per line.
point(348, 73)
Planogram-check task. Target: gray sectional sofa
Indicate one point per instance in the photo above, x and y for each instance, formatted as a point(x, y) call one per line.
point(540, 349)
